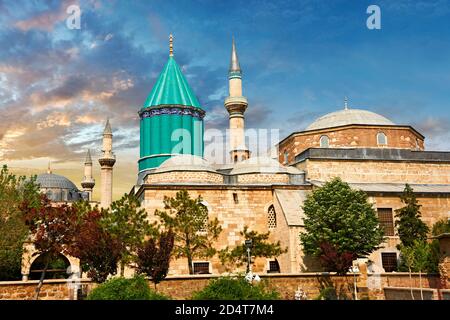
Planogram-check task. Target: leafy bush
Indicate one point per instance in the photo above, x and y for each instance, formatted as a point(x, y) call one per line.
point(330, 293)
point(235, 289)
point(136, 288)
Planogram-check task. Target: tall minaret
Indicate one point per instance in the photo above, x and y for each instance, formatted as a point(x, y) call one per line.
point(236, 105)
point(107, 162)
point(88, 182)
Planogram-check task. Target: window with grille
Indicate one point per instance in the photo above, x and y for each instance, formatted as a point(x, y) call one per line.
point(381, 138)
point(201, 267)
point(324, 142)
point(286, 154)
point(202, 218)
point(274, 267)
point(272, 218)
point(386, 221)
point(389, 261)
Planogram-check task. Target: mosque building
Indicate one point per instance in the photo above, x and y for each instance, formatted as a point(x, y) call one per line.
point(365, 149)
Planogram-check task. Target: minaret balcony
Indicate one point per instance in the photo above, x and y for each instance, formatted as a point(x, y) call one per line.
point(236, 104)
point(107, 162)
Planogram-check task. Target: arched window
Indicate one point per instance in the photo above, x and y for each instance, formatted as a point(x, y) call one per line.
point(324, 142)
point(381, 138)
point(272, 218)
point(202, 219)
point(235, 158)
point(285, 154)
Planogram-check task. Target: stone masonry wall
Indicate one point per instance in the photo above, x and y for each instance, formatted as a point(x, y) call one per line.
point(377, 171)
point(183, 287)
point(352, 136)
point(250, 209)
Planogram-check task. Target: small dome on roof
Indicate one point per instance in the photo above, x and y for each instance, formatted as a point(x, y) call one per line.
point(185, 162)
point(51, 180)
point(349, 116)
point(260, 165)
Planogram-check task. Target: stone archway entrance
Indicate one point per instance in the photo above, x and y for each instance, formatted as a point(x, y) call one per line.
point(57, 268)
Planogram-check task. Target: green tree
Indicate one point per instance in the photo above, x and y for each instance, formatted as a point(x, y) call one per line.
point(417, 257)
point(342, 218)
point(13, 231)
point(127, 222)
point(440, 227)
point(194, 232)
point(235, 289)
point(409, 225)
point(261, 247)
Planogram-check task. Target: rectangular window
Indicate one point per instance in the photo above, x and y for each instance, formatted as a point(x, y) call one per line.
point(201, 267)
point(386, 221)
point(274, 267)
point(389, 261)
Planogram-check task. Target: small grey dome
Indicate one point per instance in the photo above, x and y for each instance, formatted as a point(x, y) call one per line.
point(185, 162)
point(349, 116)
point(261, 165)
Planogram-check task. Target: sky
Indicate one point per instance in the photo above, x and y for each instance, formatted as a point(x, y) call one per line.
point(299, 59)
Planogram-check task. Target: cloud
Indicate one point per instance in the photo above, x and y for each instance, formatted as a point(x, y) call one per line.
point(436, 131)
point(46, 20)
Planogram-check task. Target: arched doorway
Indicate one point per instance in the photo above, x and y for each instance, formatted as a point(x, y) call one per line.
point(57, 268)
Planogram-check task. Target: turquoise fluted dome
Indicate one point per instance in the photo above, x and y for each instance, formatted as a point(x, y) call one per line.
point(171, 120)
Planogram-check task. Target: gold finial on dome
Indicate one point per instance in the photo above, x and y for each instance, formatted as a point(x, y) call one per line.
point(171, 45)
point(345, 103)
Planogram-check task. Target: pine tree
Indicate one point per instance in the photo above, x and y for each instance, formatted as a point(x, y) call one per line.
point(261, 248)
point(409, 225)
point(194, 232)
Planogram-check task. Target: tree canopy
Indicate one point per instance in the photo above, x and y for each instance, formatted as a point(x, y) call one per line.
point(340, 218)
point(194, 232)
point(409, 225)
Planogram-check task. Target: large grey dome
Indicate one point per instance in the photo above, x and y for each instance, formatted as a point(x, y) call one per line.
point(349, 116)
point(58, 188)
point(50, 180)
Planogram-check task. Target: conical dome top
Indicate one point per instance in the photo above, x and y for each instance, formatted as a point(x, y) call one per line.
point(171, 88)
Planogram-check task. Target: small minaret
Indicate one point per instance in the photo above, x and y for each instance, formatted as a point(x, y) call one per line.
point(107, 162)
point(236, 104)
point(88, 182)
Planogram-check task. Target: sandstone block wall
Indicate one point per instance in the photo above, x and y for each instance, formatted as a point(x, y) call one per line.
point(377, 171)
point(350, 136)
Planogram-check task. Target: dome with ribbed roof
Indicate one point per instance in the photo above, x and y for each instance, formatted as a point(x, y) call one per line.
point(261, 165)
point(171, 88)
point(347, 117)
point(58, 188)
point(185, 162)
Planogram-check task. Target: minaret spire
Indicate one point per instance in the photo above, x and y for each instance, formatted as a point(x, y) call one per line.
point(236, 104)
point(171, 45)
point(88, 181)
point(345, 103)
point(235, 68)
point(49, 170)
point(107, 162)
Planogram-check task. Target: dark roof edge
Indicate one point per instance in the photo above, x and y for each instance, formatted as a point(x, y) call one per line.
point(351, 125)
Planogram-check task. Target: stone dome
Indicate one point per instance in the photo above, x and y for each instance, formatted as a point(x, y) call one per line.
point(348, 116)
point(50, 180)
point(185, 162)
point(58, 188)
point(259, 165)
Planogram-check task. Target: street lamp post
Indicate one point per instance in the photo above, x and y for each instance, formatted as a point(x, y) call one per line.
point(248, 245)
